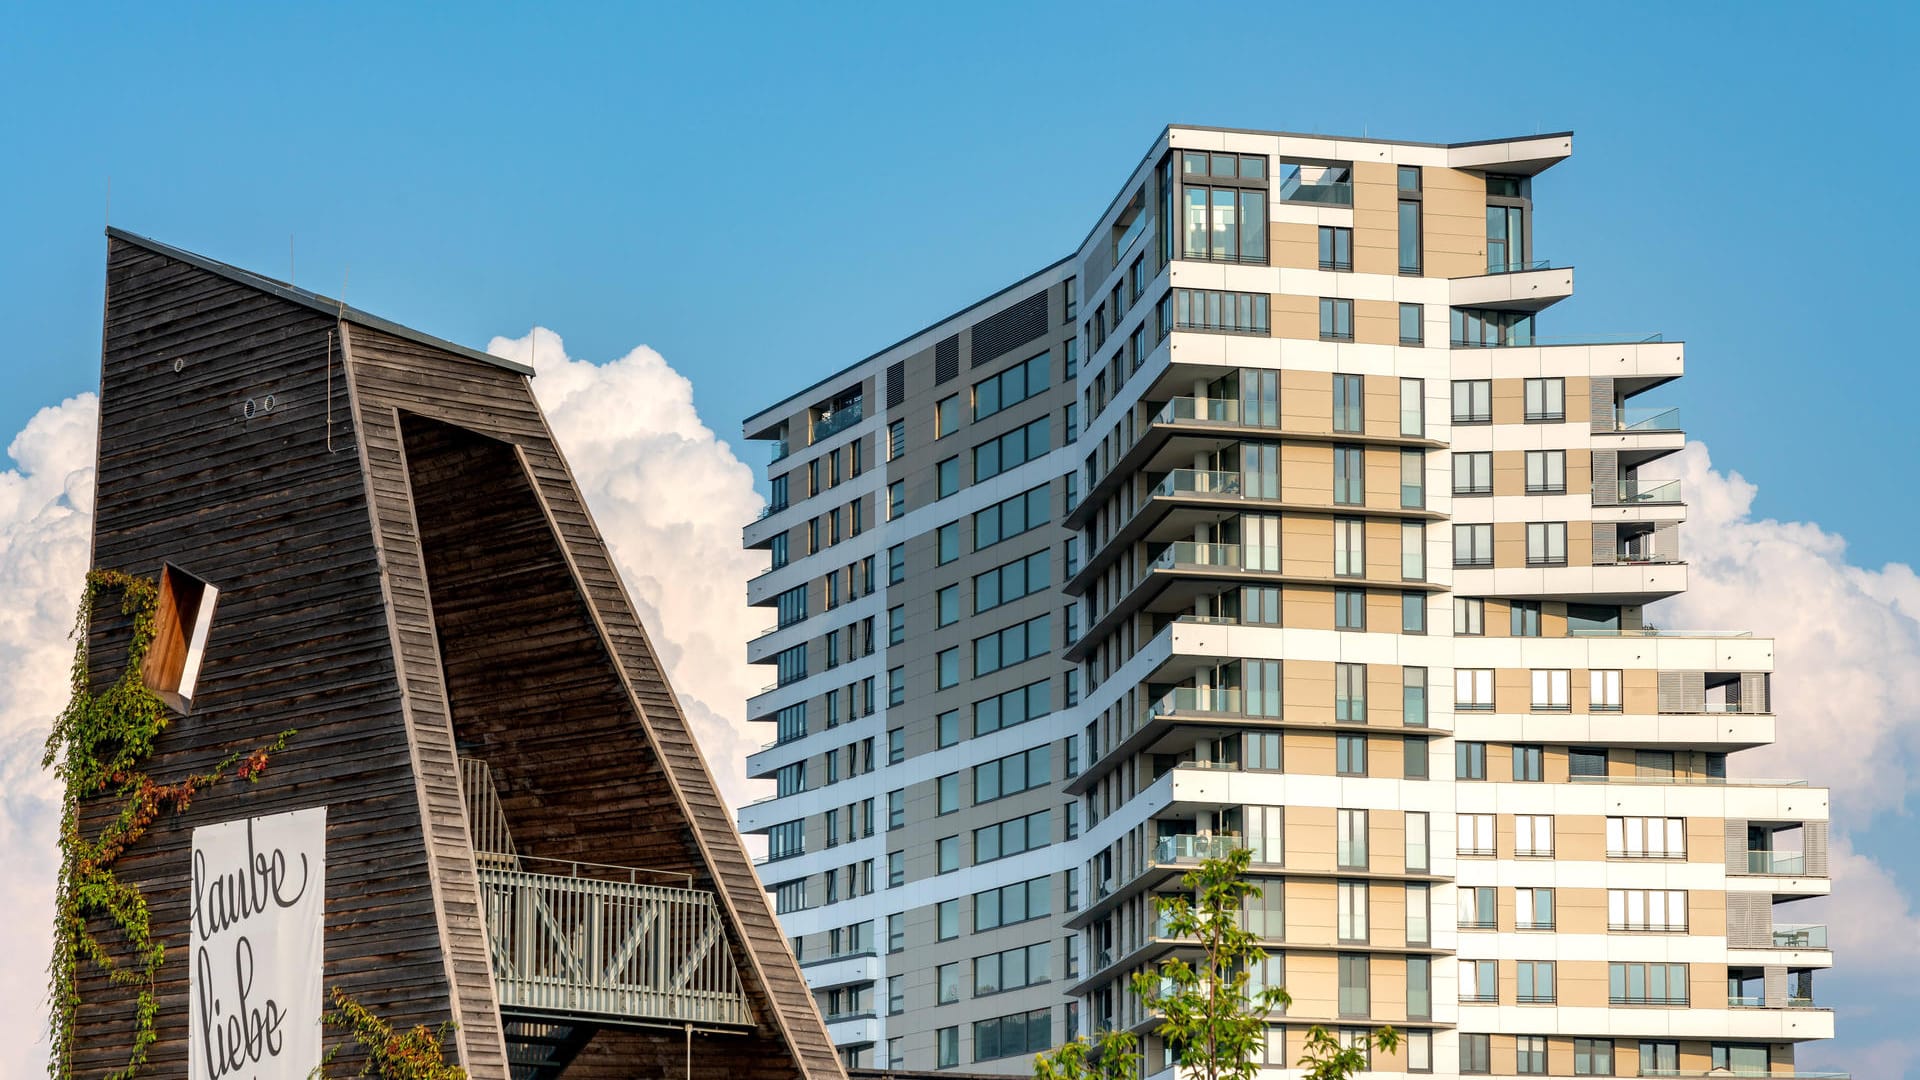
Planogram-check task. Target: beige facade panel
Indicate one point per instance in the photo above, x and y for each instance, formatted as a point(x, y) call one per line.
point(1306, 470)
point(1376, 322)
point(1376, 223)
point(1298, 318)
point(1309, 607)
point(1381, 393)
point(1295, 245)
point(1454, 220)
point(1310, 829)
point(1307, 685)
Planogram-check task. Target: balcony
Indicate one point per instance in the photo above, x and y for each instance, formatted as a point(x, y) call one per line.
point(1209, 483)
point(1520, 287)
point(1800, 936)
point(588, 944)
point(1318, 185)
point(1633, 419)
point(833, 421)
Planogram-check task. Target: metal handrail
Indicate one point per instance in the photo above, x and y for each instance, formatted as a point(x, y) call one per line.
point(580, 945)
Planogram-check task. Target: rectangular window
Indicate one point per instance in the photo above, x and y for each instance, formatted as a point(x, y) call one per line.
point(1659, 1058)
point(1419, 1049)
point(1473, 545)
point(1021, 577)
point(1356, 988)
point(1413, 480)
point(896, 746)
point(896, 624)
point(1473, 689)
point(1530, 1053)
point(1586, 762)
point(1413, 613)
point(1477, 907)
point(1603, 691)
point(896, 564)
point(1225, 224)
point(946, 416)
point(1550, 690)
point(1350, 693)
point(1417, 842)
point(947, 790)
point(1593, 1057)
point(1469, 616)
point(1479, 982)
point(1015, 706)
point(1532, 833)
point(1662, 910)
point(1473, 473)
point(1475, 1055)
point(1006, 838)
point(1413, 696)
point(1413, 753)
point(1469, 760)
point(1350, 755)
point(1646, 838)
point(947, 1047)
point(1336, 319)
point(1413, 551)
point(1473, 401)
point(1546, 472)
point(1351, 839)
point(1010, 904)
point(897, 686)
point(1647, 984)
point(1475, 834)
point(1350, 476)
point(1526, 763)
point(1546, 399)
point(1352, 907)
point(1218, 310)
point(1010, 969)
point(1009, 518)
point(1012, 645)
point(947, 726)
point(948, 477)
point(1016, 447)
point(1350, 547)
point(1336, 248)
point(896, 810)
point(947, 919)
point(1535, 985)
point(1349, 609)
point(1012, 774)
point(1413, 321)
point(1349, 404)
point(896, 499)
point(1010, 387)
point(1419, 922)
point(1533, 908)
point(1410, 236)
point(1524, 618)
point(1013, 1036)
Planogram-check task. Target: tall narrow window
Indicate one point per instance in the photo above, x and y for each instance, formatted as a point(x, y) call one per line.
point(1349, 408)
point(1410, 240)
point(1413, 318)
point(1350, 475)
point(1350, 547)
point(1413, 479)
point(1413, 408)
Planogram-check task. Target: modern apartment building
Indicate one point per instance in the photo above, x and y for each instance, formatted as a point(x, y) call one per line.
point(1273, 517)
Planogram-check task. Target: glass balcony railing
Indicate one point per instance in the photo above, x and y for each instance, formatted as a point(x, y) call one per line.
point(1517, 267)
point(1187, 554)
point(838, 420)
point(781, 450)
point(1706, 781)
point(1198, 482)
point(1635, 492)
point(1801, 936)
point(1328, 193)
point(1746, 1001)
point(1189, 699)
point(1780, 863)
point(1188, 410)
point(1636, 419)
point(1185, 848)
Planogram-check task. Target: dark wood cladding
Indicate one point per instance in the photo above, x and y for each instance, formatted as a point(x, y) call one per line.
point(550, 674)
point(263, 510)
point(407, 574)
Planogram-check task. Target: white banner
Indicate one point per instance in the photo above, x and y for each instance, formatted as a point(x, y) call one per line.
point(259, 892)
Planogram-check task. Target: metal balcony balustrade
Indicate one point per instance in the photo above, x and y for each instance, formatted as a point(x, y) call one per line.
point(583, 944)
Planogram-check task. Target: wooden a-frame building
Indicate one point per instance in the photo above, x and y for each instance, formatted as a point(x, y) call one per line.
point(407, 575)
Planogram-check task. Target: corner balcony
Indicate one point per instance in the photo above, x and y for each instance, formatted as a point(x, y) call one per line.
point(1183, 716)
point(1638, 435)
point(1171, 582)
point(1635, 582)
point(1519, 286)
point(1174, 429)
point(1792, 945)
point(1180, 502)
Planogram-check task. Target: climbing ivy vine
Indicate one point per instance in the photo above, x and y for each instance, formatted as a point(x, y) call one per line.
point(98, 746)
point(418, 1053)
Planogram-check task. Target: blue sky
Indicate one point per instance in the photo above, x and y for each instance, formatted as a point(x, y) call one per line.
point(767, 194)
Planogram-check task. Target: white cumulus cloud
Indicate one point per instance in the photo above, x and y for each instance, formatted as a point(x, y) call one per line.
point(46, 516)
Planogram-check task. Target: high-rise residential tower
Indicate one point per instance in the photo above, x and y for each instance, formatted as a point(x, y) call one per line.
point(1265, 519)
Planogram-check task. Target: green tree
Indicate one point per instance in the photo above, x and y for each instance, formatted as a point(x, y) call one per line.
point(1211, 1016)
